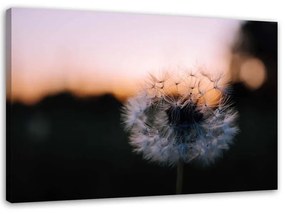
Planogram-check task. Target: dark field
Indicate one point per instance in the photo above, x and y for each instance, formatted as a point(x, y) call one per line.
point(70, 148)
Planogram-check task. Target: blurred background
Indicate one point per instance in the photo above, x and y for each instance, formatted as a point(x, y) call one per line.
point(71, 72)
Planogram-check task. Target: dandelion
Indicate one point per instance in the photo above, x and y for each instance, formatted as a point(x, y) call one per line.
point(181, 119)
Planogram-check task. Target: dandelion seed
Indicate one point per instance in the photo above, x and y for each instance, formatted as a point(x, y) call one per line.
point(193, 122)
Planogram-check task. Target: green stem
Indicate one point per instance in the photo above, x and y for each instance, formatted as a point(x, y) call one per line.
point(179, 178)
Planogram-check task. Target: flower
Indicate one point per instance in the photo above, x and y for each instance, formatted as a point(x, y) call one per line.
point(181, 118)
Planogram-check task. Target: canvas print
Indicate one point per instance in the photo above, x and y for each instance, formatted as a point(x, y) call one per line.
point(106, 105)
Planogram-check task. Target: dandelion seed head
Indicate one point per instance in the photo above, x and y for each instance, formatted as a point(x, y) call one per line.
point(187, 117)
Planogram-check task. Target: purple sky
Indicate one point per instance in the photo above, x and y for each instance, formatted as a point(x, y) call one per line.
point(97, 52)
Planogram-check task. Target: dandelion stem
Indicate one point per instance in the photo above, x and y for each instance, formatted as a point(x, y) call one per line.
point(179, 178)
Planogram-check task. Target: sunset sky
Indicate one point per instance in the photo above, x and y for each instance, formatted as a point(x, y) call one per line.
point(90, 53)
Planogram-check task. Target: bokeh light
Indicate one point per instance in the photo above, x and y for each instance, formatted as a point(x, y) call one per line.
point(252, 73)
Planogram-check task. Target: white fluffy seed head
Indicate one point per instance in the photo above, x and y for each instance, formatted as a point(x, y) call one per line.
point(186, 118)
